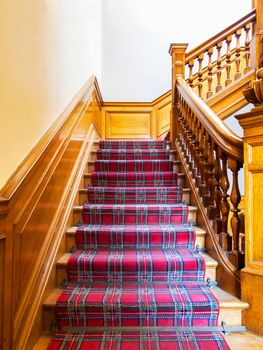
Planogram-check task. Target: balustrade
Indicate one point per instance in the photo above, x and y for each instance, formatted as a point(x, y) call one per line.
point(227, 55)
point(210, 149)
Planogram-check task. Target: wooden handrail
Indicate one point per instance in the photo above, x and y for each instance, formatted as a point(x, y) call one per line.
point(195, 52)
point(222, 135)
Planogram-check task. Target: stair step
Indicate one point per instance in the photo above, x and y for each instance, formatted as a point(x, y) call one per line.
point(62, 263)
point(91, 163)
point(180, 236)
point(122, 214)
point(136, 340)
point(71, 236)
point(154, 195)
point(131, 154)
point(134, 179)
point(88, 179)
point(230, 307)
point(133, 165)
point(130, 144)
point(178, 214)
point(130, 305)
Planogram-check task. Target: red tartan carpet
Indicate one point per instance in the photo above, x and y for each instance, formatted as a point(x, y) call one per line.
point(135, 263)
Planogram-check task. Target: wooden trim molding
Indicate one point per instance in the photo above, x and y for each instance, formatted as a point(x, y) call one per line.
point(35, 210)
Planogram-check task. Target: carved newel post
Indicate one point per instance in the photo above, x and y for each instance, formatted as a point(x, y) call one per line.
point(177, 51)
point(252, 274)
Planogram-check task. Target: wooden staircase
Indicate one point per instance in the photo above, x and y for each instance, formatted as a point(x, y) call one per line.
point(231, 307)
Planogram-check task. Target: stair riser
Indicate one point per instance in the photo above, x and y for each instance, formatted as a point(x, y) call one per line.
point(143, 319)
point(61, 274)
point(132, 144)
point(232, 317)
point(71, 241)
point(145, 155)
point(180, 180)
point(83, 199)
point(77, 217)
point(91, 167)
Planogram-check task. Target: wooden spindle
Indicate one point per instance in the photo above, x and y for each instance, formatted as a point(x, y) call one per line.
point(206, 197)
point(209, 73)
point(237, 54)
point(228, 61)
point(218, 193)
point(191, 76)
point(200, 74)
point(219, 66)
point(197, 152)
point(211, 179)
point(235, 256)
point(224, 238)
point(247, 49)
point(201, 161)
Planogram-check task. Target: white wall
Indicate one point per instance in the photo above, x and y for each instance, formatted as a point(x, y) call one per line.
point(136, 35)
point(48, 50)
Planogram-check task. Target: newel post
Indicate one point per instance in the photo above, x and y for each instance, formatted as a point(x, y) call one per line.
point(177, 51)
point(256, 44)
point(252, 274)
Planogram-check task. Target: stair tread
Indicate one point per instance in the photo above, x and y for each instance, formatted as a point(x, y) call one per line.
point(191, 208)
point(226, 300)
point(180, 175)
point(63, 260)
point(199, 231)
point(84, 190)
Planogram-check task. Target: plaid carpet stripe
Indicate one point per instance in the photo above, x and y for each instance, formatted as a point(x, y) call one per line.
point(143, 305)
point(114, 179)
point(122, 214)
point(135, 265)
point(134, 195)
point(134, 165)
point(135, 236)
point(150, 144)
point(139, 340)
point(131, 154)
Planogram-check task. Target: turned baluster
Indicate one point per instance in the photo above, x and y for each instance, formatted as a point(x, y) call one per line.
point(209, 73)
point(237, 54)
point(191, 76)
point(200, 75)
point(219, 66)
point(183, 144)
point(201, 160)
point(180, 123)
point(224, 237)
point(247, 49)
point(218, 193)
point(236, 257)
point(197, 152)
point(205, 146)
point(193, 151)
point(187, 135)
point(211, 179)
point(228, 61)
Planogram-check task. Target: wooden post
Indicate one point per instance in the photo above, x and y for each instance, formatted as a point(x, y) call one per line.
point(177, 51)
point(252, 274)
point(256, 43)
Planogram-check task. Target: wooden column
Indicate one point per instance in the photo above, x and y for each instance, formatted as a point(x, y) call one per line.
point(177, 51)
point(252, 274)
point(256, 44)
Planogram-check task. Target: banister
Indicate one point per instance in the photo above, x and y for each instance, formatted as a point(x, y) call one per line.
point(205, 46)
point(222, 135)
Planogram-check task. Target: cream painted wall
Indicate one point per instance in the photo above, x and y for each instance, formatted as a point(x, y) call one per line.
point(48, 50)
point(136, 35)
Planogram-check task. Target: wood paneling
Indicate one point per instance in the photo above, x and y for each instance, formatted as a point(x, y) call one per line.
point(128, 124)
point(35, 211)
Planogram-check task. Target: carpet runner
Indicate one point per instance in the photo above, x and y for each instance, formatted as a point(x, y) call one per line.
point(135, 263)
